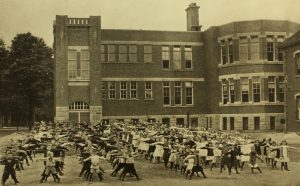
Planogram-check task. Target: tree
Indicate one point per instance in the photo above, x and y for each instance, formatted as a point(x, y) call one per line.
point(4, 112)
point(31, 73)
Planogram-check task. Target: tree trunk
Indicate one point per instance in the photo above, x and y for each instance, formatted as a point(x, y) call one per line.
point(31, 115)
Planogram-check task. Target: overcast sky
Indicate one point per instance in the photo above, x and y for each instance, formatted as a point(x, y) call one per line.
point(36, 16)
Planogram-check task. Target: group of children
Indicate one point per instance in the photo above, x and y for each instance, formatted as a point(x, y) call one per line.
point(190, 152)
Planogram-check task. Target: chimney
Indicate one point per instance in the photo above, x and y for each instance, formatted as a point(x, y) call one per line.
point(192, 15)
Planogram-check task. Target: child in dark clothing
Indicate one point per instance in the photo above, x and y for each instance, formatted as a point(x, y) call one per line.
point(9, 170)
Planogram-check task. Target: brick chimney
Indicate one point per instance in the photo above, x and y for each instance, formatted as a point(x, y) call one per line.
point(192, 15)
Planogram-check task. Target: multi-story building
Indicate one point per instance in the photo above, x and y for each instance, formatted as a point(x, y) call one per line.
point(227, 77)
point(291, 49)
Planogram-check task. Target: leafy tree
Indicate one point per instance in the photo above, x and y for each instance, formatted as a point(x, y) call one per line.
point(31, 73)
point(4, 99)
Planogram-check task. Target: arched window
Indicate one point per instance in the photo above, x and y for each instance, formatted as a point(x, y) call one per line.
point(297, 61)
point(79, 105)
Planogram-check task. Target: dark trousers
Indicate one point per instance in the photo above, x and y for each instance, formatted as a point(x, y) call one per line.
point(6, 175)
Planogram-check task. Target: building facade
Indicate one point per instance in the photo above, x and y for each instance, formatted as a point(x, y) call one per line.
point(291, 49)
point(228, 77)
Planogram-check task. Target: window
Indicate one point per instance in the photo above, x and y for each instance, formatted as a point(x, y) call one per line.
point(102, 49)
point(132, 53)
point(166, 57)
point(133, 90)
point(231, 123)
point(225, 91)
point(103, 90)
point(281, 89)
point(188, 57)
point(166, 121)
point(231, 90)
point(79, 105)
point(111, 53)
point(166, 93)
point(280, 53)
point(180, 122)
point(123, 53)
point(223, 52)
point(272, 122)
point(254, 47)
point(245, 89)
point(256, 89)
point(194, 122)
point(245, 123)
point(297, 59)
point(177, 92)
point(112, 90)
point(298, 106)
point(84, 57)
point(270, 48)
point(224, 123)
point(147, 53)
point(271, 88)
point(177, 57)
point(148, 90)
point(123, 90)
point(78, 64)
point(243, 49)
point(230, 51)
point(256, 123)
point(189, 93)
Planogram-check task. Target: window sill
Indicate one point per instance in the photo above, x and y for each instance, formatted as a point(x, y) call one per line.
point(149, 99)
point(262, 62)
point(106, 62)
point(77, 80)
point(178, 106)
point(121, 99)
point(249, 104)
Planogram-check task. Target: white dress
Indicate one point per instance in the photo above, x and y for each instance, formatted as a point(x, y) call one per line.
point(159, 151)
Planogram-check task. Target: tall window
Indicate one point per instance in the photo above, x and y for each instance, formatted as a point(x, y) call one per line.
point(231, 123)
point(166, 57)
point(78, 64)
point(297, 59)
point(189, 93)
point(224, 52)
point(188, 57)
point(245, 89)
point(123, 90)
point(271, 88)
point(133, 90)
point(177, 57)
point(177, 92)
point(112, 90)
point(245, 123)
point(132, 53)
point(111, 53)
point(280, 53)
point(166, 93)
point(224, 123)
point(231, 90)
point(147, 53)
point(256, 89)
point(230, 51)
point(72, 64)
point(103, 90)
point(102, 50)
point(256, 123)
point(254, 47)
point(166, 121)
point(280, 97)
point(225, 91)
point(148, 90)
point(84, 59)
point(270, 48)
point(123, 53)
point(243, 49)
point(272, 122)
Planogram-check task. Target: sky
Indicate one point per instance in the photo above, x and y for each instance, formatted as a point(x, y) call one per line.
point(37, 16)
